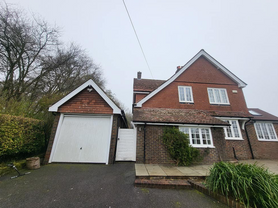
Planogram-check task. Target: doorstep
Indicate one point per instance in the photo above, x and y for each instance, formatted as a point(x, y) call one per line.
point(168, 176)
point(171, 171)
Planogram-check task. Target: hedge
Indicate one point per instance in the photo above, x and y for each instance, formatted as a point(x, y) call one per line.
point(20, 136)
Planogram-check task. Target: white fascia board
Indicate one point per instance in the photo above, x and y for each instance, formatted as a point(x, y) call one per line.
point(179, 124)
point(202, 52)
point(116, 110)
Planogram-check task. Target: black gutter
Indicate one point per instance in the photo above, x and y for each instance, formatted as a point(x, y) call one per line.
point(248, 139)
point(161, 122)
point(144, 142)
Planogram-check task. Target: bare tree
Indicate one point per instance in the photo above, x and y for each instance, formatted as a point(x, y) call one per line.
point(23, 44)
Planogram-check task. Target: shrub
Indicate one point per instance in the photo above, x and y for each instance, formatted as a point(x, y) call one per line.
point(178, 146)
point(250, 184)
point(20, 136)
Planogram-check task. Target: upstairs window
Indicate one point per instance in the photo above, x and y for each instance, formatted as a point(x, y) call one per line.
point(233, 131)
point(218, 96)
point(265, 131)
point(198, 137)
point(185, 94)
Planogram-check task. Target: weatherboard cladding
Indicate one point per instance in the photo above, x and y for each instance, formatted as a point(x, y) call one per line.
point(183, 116)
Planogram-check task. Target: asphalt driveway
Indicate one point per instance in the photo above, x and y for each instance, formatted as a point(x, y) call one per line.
point(92, 185)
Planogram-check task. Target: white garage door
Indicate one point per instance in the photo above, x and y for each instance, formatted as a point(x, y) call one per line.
point(82, 139)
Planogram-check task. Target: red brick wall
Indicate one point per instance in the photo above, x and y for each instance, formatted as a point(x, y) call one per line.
point(86, 102)
point(51, 139)
point(262, 149)
point(139, 97)
point(156, 153)
point(200, 75)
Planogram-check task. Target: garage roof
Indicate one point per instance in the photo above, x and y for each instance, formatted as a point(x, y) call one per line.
point(90, 82)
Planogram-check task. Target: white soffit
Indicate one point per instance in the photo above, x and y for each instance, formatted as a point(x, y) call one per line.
point(116, 109)
point(202, 52)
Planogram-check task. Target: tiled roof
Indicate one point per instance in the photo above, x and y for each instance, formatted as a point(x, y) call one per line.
point(264, 116)
point(184, 116)
point(230, 114)
point(146, 84)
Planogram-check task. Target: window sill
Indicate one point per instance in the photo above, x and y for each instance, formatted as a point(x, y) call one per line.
point(268, 140)
point(220, 104)
point(239, 139)
point(202, 146)
point(186, 103)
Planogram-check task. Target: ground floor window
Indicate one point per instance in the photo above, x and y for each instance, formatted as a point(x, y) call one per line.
point(199, 137)
point(232, 131)
point(265, 131)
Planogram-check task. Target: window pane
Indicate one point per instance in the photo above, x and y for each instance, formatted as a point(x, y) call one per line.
point(211, 96)
point(206, 136)
point(195, 136)
point(271, 131)
point(181, 93)
point(259, 130)
point(217, 95)
point(188, 94)
point(265, 133)
point(235, 129)
point(223, 96)
point(184, 130)
point(228, 130)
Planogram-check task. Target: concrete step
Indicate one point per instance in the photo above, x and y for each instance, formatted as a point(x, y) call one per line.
point(162, 183)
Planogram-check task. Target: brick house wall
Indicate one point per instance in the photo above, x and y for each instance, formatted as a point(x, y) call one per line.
point(86, 103)
point(51, 139)
point(200, 75)
point(262, 149)
point(156, 153)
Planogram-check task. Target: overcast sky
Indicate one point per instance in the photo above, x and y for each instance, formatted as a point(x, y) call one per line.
point(242, 35)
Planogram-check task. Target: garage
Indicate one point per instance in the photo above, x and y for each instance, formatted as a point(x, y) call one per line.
point(86, 126)
point(84, 139)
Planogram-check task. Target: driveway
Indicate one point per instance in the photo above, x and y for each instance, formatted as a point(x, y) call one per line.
point(92, 185)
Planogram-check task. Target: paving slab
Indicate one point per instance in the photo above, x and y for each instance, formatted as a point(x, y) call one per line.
point(141, 170)
point(171, 171)
point(155, 170)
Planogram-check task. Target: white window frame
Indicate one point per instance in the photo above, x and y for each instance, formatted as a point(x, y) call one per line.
point(220, 96)
point(268, 125)
point(200, 134)
point(230, 121)
point(185, 97)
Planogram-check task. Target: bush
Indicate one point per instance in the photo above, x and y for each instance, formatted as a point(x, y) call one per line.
point(178, 146)
point(250, 184)
point(20, 136)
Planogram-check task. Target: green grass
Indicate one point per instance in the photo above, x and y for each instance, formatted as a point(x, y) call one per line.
point(252, 185)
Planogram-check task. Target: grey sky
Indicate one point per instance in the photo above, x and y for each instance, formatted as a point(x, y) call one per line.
point(241, 35)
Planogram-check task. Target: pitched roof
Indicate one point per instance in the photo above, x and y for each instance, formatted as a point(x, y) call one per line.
point(263, 116)
point(203, 53)
point(146, 84)
point(230, 114)
point(90, 82)
point(181, 116)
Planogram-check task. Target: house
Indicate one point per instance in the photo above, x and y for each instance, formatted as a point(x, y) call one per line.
point(86, 127)
point(204, 100)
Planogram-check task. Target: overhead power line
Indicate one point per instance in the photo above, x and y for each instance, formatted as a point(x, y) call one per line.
point(137, 38)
